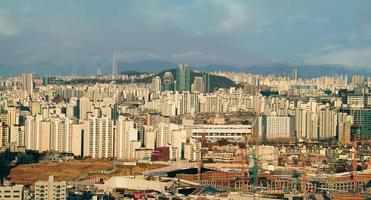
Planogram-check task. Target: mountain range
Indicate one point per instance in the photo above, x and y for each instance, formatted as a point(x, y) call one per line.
point(216, 82)
point(156, 66)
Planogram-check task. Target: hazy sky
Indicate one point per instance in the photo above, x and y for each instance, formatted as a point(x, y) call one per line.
point(256, 32)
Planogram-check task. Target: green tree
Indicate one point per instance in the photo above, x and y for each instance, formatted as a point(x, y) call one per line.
point(24, 159)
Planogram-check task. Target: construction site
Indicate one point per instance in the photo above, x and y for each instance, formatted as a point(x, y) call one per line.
point(305, 168)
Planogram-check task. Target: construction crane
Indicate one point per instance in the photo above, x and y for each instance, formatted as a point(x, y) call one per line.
point(203, 144)
point(255, 167)
point(303, 183)
point(355, 165)
point(243, 167)
point(332, 178)
point(355, 160)
point(255, 170)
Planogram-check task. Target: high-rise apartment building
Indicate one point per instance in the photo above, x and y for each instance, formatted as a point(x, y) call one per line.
point(275, 127)
point(149, 137)
point(85, 107)
point(27, 81)
point(4, 134)
point(34, 133)
point(125, 135)
point(100, 131)
point(156, 84)
point(345, 122)
point(61, 130)
point(198, 85)
point(327, 123)
point(358, 79)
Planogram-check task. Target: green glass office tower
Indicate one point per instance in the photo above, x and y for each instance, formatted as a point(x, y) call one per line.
point(362, 118)
point(183, 78)
point(206, 82)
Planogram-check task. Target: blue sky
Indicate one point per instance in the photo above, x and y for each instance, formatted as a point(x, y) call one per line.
point(198, 32)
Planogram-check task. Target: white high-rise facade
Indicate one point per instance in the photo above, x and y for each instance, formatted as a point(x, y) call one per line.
point(33, 132)
point(61, 134)
point(100, 131)
point(156, 84)
point(84, 108)
point(125, 135)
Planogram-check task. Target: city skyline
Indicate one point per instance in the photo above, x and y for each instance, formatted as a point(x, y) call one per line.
point(198, 99)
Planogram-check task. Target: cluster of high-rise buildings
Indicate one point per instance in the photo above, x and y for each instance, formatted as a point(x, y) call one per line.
point(130, 121)
point(183, 80)
point(177, 117)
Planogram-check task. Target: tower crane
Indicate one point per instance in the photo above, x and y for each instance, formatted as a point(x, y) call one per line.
point(332, 178)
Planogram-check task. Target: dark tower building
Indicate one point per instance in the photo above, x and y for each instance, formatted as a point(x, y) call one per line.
point(183, 78)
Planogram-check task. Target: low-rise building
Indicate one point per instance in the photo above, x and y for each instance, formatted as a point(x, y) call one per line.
point(11, 192)
point(50, 190)
point(218, 132)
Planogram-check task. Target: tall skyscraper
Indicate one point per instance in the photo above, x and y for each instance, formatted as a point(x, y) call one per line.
point(114, 64)
point(295, 76)
point(168, 81)
point(206, 82)
point(27, 80)
point(183, 78)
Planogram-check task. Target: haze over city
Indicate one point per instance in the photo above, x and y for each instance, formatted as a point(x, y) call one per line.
point(238, 33)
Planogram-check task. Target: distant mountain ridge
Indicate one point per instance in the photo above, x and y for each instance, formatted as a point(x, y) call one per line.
point(156, 66)
point(216, 82)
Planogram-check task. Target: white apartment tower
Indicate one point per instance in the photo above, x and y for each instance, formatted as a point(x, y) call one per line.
point(84, 108)
point(100, 138)
point(156, 84)
point(61, 134)
point(125, 135)
point(33, 132)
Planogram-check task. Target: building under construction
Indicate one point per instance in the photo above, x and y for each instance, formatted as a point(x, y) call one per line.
point(282, 181)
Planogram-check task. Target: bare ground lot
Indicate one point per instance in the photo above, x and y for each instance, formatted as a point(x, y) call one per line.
point(68, 171)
